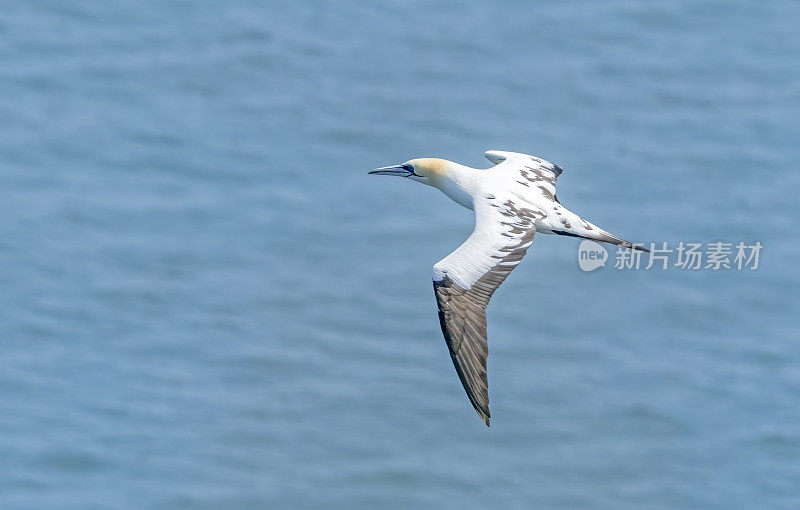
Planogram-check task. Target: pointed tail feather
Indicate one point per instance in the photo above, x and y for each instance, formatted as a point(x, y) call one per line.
point(570, 224)
point(611, 238)
point(603, 236)
point(576, 226)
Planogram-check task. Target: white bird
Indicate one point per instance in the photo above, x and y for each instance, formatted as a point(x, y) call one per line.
point(512, 200)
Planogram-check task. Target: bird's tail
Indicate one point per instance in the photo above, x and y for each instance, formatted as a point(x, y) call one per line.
point(579, 227)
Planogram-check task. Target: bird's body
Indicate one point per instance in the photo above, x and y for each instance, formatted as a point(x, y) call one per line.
point(512, 201)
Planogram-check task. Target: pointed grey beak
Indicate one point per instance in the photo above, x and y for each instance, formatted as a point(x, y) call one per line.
point(398, 170)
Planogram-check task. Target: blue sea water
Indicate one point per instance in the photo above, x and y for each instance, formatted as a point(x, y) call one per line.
point(205, 302)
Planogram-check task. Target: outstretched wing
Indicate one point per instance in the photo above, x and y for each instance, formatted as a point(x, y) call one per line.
point(535, 174)
point(465, 280)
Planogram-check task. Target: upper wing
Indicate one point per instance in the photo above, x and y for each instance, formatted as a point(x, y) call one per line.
point(465, 280)
point(528, 171)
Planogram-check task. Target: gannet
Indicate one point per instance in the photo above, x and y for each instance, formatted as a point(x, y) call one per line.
point(512, 201)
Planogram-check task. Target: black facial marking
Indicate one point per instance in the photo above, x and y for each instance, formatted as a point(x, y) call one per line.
point(409, 167)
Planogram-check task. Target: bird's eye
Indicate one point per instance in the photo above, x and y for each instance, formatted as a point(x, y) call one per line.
point(410, 168)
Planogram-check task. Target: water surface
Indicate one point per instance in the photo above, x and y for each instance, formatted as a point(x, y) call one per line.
point(207, 303)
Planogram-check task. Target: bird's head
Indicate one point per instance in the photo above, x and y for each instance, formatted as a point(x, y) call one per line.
point(430, 171)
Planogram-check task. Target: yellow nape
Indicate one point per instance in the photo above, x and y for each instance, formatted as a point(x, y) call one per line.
point(429, 167)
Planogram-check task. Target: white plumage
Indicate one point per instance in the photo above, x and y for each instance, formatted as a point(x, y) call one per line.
point(512, 201)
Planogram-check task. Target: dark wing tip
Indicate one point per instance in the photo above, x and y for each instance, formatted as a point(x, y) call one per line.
point(483, 413)
point(463, 322)
point(633, 246)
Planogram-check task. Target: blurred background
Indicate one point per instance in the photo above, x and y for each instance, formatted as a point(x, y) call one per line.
point(206, 302)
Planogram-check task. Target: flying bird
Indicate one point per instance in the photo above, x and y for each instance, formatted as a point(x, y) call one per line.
point(512, 201)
